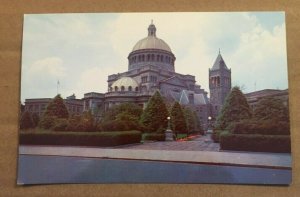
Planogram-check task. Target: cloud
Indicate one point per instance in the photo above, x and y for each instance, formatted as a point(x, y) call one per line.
point(83, 49)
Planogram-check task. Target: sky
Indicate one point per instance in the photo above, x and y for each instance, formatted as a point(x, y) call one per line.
point(81, 50)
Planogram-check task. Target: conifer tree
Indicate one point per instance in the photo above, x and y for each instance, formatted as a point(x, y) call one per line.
point(178, 122)
point(235, 108)
point(154, 117)
point(190, 119)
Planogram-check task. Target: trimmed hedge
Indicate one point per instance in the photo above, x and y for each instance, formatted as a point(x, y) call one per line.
point(154, 136)
point(261, 127)
point(257, 143)
point(81, 138)
point(216, 135)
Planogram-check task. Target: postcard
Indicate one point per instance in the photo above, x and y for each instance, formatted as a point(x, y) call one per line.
point(181, 97)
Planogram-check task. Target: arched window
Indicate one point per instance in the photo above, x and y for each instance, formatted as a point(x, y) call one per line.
point(137, 89)
point(140, 58)
point(130, 88)
point(157, 58)
point(161, 58)
point(148, 57)
point(116, 88)
point(110, 89)
point(152, 57)
point(143, 58)
point(122, 88)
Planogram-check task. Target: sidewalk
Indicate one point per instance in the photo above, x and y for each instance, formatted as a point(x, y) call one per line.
point(247, 159)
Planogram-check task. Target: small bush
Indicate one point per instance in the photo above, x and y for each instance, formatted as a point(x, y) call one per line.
point(60, 124)
point(258, 143)
point(81, 138)
point(154, 136)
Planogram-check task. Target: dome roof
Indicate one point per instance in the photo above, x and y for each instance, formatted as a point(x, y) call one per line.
point(151, 41)
point(125, 82)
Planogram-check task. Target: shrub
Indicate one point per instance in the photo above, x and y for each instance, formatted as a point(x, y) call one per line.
point(258, 143)
point(261, 127)
point(216, 135)
point(81, 138)
point(60, 124)
point(154, 136)
point(26, 121)
point(117, 125)
point(47, 122)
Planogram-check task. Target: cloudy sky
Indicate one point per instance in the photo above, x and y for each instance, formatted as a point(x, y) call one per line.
point(81, 50)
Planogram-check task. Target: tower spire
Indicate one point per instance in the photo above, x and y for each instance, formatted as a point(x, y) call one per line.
point(219, 51)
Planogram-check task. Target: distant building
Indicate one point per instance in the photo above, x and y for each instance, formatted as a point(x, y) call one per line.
point(254, 97)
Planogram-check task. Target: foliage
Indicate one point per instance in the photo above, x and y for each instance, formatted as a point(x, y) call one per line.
point(270, 108)
point(60, 124)
point(235, 108)
point(26, 121)
point(259, 143)
point(263, 127)
point(154, 117)
point(56, 109)
point(73, 123)
point(154, 136)
point(81, 138)
point(190, 119)
point(119, 125)
point(178, 123)
point(123, 111)
point(198, 126)
point(216, 135)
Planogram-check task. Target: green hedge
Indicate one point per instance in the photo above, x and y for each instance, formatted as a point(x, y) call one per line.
point(216, 135)
point(261, 127)
point(258, 143)
point(154, 136)
point(80, 138)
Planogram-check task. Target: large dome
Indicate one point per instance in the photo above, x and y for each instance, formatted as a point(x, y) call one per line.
point(151, 41)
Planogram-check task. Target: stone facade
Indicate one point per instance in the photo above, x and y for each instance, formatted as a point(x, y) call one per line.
point(219, 85)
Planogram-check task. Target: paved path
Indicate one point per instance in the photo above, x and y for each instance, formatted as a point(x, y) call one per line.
point(200, 143)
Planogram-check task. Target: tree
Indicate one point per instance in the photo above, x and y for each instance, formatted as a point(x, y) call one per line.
point(235, 108)
point(26, 121)
point(271, 108)
point(154, 117)
point(198, 125)
point(190, 119)
point(57, 108)
point(178, 122)
point(55, 112)
point(122, 110)
point(35, 119)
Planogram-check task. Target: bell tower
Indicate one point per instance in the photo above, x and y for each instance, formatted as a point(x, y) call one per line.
point(219, 84)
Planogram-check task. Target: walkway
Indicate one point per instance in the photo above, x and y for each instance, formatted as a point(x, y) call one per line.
point(199, 143)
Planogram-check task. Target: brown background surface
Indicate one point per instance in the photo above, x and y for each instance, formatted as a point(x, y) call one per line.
point(11, 12)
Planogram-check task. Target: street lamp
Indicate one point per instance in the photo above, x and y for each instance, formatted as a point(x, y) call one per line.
point(208, 126)
point(169, 132)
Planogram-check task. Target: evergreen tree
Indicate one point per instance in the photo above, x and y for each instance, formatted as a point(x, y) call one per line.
point(26, 121)
point(235, 108)
point(57, 108)
point(190, 119)
point(154, 117)
point(87, 122)
point(35, 119)
point(55, 111)
point(198, 125)
point(178, 122)
point(271, 108)
point(122, 110)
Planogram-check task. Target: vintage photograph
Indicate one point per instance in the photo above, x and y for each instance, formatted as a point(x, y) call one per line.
point(181, 97)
